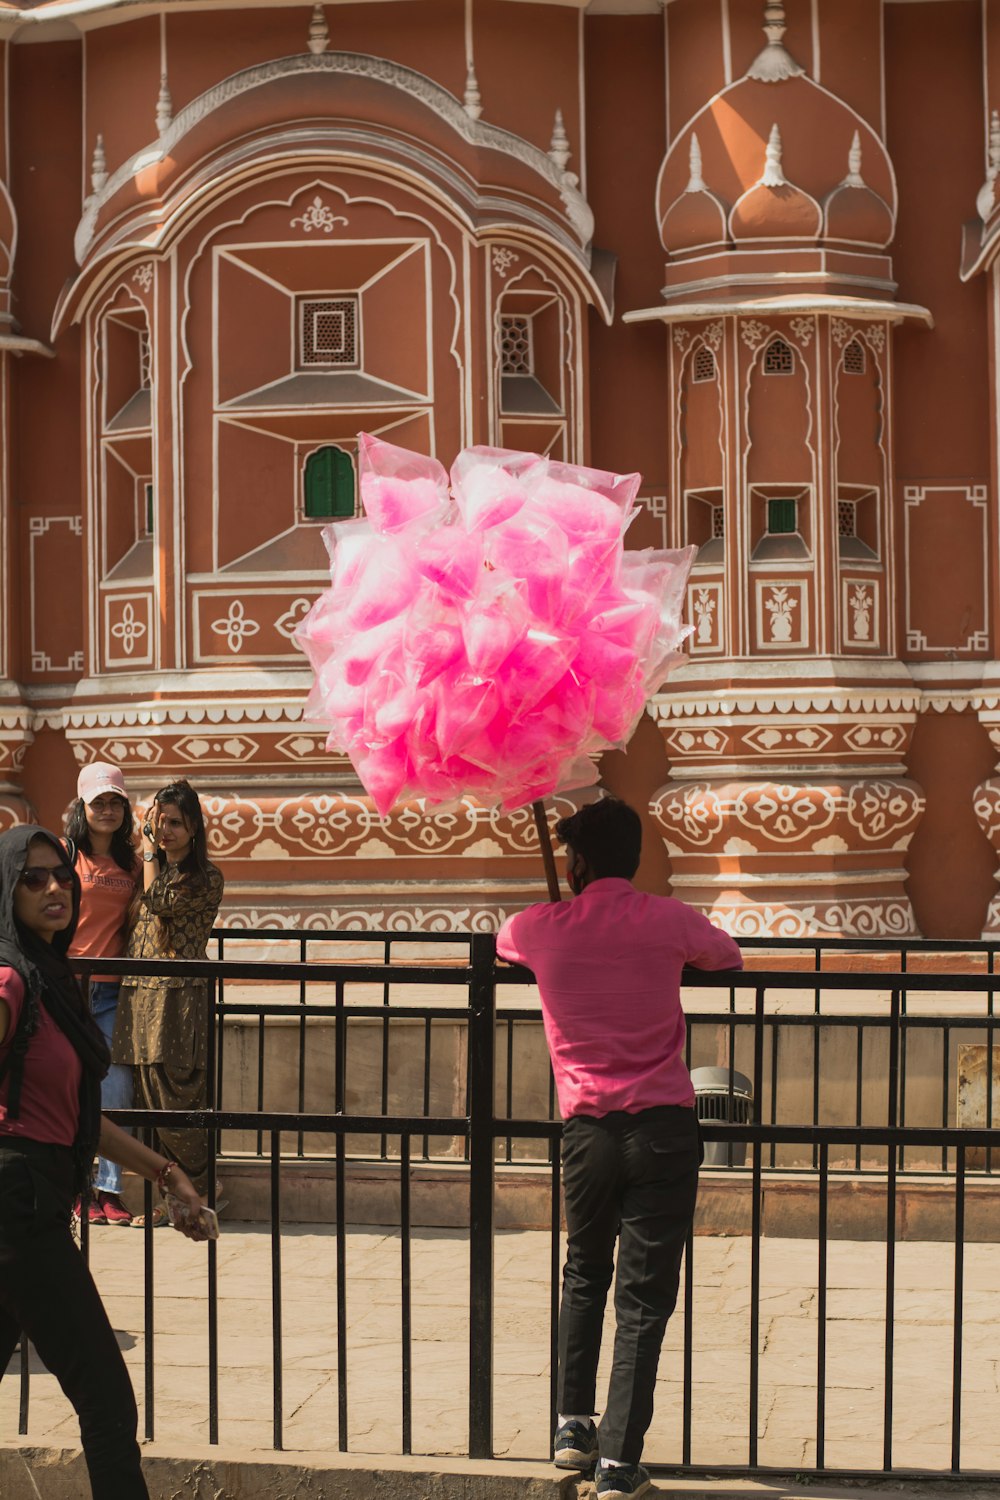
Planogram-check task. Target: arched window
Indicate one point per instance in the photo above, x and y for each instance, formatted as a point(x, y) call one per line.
point(854, 358)
point(778, 358)
point(329, 484)
point(704, 365)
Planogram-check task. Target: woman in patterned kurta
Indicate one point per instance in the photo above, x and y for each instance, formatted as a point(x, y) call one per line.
point(162, 1024)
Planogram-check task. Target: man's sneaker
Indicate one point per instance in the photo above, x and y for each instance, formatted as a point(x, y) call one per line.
point(621, 1481)
point(114, 1209)
point(576, 1446)
point(95, 1213)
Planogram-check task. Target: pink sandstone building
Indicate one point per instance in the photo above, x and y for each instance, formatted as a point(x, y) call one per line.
point(750, 250)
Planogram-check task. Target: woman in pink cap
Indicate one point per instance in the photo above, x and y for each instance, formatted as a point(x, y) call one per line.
point(108, 864)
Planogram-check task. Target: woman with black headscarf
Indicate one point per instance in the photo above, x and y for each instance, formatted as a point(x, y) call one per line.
point(52, 1060)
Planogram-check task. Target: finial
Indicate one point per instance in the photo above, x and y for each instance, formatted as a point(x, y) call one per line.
point(854, 177)
point(164, 106)
point(98, 166)
point(472, 101)
point(775, 63)
point(696, 182)
point(559, 151)
point(319, 32)
point(773, 174)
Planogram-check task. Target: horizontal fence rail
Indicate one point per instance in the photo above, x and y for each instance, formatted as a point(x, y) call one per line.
point(775, 1027)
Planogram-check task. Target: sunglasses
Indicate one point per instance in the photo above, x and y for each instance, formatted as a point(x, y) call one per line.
point(38, 876)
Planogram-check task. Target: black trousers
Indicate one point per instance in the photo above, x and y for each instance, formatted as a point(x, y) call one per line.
point(47, 1290)
point(633, 1178)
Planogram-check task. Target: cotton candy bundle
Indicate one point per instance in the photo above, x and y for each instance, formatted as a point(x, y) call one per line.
point(490, 634)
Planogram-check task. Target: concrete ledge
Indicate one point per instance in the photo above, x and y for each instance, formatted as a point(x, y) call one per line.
point(439, 1194)
point(60, 1474)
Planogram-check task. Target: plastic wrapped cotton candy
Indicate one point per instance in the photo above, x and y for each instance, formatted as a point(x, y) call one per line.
point(492, 639)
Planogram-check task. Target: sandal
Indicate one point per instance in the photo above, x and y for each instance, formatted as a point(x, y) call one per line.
point(160, 1219)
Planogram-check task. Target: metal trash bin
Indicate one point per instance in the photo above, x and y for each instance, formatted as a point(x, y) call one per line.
point(722, 1095)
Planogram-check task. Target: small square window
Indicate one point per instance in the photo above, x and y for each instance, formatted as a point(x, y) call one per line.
point(517, 353)
point(854, 358)
point(704, 365)
point(778, 358)
point(718, 522)
point(781, 517)
point(328, 333)
point(847, 518)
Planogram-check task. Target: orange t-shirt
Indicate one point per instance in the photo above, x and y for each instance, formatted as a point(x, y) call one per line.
point(106, 892)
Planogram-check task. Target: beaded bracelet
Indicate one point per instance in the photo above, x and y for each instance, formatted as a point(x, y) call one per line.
point(163, 1176)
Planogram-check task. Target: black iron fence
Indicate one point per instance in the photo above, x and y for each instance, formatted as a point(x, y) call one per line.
point(454, 981)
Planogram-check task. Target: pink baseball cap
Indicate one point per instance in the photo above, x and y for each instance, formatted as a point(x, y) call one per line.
point(98, 778)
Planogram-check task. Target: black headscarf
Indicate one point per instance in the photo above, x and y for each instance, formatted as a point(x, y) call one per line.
point(49, 981)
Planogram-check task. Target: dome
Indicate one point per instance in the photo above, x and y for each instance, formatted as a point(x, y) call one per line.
point(818, 135)
point(774, 209)
point(697, 217)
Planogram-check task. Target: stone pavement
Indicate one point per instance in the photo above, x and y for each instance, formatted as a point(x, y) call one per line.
point(721, 1305)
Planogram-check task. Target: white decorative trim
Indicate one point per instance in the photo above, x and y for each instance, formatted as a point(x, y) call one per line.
point(38, 526)
point(803, 329)
point(860, 620)
point(317, 216)
point(350, 65)
point(913, 497)
point(782, 611)
point(503, 259)
point(753, 332)
point(131, 629)
point(143, 275)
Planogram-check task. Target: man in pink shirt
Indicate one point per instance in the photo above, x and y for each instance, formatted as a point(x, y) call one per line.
point(608, 966)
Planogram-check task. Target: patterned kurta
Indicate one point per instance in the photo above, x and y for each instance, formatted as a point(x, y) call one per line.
point(166, 1020)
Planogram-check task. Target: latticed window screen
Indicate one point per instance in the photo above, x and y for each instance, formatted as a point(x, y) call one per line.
point(847, 518)
point(145, 361)
point(778, 358)
point(781, 517)
point(704, 365)
point(328, 333)
point(854, 358)
point(718, 522)
point(517, 354)
point(329, 484)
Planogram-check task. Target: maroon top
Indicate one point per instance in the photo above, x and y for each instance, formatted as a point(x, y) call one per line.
point(50, 1093)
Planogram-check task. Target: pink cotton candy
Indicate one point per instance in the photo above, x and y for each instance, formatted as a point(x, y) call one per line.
point(452, 560)
point(491, 644)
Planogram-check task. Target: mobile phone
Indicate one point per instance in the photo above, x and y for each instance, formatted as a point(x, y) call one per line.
point(180, 1217)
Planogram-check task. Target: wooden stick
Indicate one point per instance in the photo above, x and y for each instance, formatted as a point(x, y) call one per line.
point(548, 855)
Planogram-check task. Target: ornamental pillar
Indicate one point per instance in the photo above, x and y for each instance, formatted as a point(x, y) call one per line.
point(789, 811)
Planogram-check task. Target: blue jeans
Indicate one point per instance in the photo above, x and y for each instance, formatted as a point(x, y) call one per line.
point(116, 1090)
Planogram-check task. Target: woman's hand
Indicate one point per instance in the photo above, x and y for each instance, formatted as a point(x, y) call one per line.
point(182, 1188)
point(151, 840)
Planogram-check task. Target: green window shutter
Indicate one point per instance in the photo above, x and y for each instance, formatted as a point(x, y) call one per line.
point(781, 517)
point(329, 484)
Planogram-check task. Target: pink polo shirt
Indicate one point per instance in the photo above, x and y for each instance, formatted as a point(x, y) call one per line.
point(608, 966)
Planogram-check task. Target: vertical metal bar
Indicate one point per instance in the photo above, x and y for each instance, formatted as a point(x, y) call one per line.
point(339, 1050)
point(774, 1090)
point(890, 1306)
point(300, 1137)
point(147, 1308)
point(509, 1087)
point(555, 1266)
point(688, 1347)
point(260, 1080)
point(859, 1068)
point(817, 1008)
point(901, 1101)
point(276, 1351)
point(218, 1021)
point(945, 1089)
point(822, 1275)
point(959, 1312)
point(22, 1410)
point(405, 1290)
point(212, 1272)
point(758, 1073)
point(341, 1293)
point(384, 1093)
point(482, 1083)
point(427, 1082)
point(990, 1032)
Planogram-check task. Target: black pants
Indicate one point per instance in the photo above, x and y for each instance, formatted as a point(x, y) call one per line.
point(47, 1290)
point(633, 1178)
